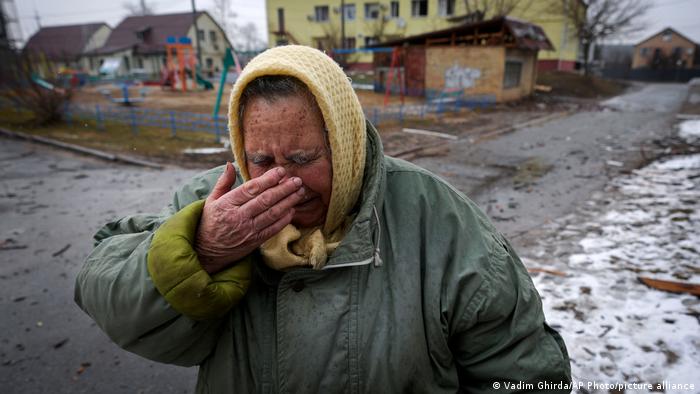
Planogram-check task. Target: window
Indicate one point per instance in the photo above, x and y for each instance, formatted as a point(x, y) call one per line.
point(200, 35)
point(349, 12)
point(139, 62)
point(350, 43)
point(644, 52)
point(280, 21)
point(210, 63)
point(371, 41)
point(667, 36)
point(212, 36)
point(372, 11)
point(511, 77)
point(446, 7)
point(419, 7)
point(394, 9)
point(321, 13)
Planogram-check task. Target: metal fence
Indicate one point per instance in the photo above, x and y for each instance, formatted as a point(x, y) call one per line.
point(650, 75)
point(179, 121)
point(436, 103)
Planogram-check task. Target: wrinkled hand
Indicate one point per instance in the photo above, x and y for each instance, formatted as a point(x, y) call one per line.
point(236, 222)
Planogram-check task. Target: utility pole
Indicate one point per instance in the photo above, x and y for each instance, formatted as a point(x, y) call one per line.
point(10, 29)
point(196, 34)
point(37, 19)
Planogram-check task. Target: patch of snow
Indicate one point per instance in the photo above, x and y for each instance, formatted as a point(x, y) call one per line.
point(618, 330)
point(689, 130)
point(204, 151)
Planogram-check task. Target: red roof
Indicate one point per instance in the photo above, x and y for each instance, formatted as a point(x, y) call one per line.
point(62, 42)
point(155, 29)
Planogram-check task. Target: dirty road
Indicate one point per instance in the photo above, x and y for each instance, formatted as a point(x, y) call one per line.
point(51, 202)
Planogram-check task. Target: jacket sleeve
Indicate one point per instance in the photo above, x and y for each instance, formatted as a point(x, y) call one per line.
point(115, 288)
point(501, 337)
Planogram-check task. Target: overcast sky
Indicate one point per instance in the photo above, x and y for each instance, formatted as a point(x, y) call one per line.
point(682, 15)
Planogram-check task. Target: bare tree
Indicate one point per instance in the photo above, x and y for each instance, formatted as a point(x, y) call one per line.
point(596, 20)
point(478, 10)
point(247, 38)
point(43, 97)
point(225, 17)
point(139, 8)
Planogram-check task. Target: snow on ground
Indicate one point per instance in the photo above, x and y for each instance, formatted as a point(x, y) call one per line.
point(618, 330)
point(689, 130)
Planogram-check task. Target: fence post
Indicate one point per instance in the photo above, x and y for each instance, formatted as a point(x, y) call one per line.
point(216, 128)
point(173, 125)
point(401, 114)
point(134, 126)
point(98, 118)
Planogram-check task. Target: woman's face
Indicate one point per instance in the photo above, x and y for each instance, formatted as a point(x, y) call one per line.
point(289, 133)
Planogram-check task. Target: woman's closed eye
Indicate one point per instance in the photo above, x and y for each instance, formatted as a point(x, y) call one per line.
point(259, 160)
point(302, 158)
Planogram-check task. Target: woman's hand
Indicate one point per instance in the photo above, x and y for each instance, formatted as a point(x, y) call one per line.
point(236, 222)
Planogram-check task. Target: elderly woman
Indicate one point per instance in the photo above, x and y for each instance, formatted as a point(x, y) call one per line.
point(325, 267)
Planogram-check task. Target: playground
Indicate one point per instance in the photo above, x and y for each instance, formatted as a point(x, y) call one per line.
point(200, 101)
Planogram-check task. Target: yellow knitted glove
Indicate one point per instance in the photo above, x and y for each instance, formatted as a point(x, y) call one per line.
point(177, 275)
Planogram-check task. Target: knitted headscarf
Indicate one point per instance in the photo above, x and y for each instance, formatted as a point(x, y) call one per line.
point(345, 122)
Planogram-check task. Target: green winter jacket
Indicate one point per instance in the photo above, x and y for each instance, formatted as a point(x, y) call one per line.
point(423, 295)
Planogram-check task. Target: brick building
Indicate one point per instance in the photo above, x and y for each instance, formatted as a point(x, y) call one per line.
point(496, 58)
point(665, 49)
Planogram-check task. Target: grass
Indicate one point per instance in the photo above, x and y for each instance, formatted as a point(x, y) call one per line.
point(576, 85)
point(149, 142)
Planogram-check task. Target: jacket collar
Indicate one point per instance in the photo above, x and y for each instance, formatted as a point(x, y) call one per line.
point(358, 247)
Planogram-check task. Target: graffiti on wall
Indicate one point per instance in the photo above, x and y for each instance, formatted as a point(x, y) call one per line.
point(457, 77)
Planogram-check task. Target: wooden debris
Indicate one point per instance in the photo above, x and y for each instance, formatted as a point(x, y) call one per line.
point(60, 252)
point(546, 271)
point(431, 133)
point(10, 244)
point(670, 286)
point(543, 88)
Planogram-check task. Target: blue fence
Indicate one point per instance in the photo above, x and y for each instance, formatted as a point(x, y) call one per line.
point(179, 121)
point(436, 103)
point(175, 121)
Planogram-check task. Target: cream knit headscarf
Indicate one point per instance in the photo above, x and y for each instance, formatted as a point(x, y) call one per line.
point(345, 123)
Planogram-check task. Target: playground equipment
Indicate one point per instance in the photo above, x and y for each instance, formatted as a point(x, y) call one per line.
point(44, 84)
point(230, 59)
point(126, 99)
point(181, 49)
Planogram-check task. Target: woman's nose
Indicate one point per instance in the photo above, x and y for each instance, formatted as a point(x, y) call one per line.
point(288, 173)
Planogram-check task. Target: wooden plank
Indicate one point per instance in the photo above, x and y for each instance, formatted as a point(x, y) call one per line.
point(431, 133)
point(431, 41)
point(670, 286)
point(546, 271)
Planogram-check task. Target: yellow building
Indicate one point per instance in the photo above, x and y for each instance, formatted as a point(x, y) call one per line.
point(318, 23)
